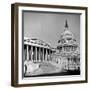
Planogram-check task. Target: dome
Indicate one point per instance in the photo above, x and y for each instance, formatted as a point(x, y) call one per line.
point(67, 35)
point(67, 32)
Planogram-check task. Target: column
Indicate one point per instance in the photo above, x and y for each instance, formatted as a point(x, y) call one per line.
point(50, 55)
point(62, 49)
point(36, 53)
point(72, 48)
point(31, 53)
point(27, 52)
point(46, 54)
point(39, 54)
point(43, 54)
point(66, 48)
point(68, 63)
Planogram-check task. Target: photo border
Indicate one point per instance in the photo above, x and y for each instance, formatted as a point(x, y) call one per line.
point(15, 40)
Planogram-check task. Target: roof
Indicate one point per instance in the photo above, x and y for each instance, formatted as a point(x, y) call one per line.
point(36, 42)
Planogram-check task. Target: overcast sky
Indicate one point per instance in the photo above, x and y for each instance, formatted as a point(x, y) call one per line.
point(49, 26)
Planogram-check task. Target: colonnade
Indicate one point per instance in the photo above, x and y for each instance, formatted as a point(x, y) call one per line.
point(36, 54)
point(73, 63)
point(68, 48)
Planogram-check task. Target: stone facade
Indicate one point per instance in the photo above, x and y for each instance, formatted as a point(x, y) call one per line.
point(36, 50)
point(68, 49)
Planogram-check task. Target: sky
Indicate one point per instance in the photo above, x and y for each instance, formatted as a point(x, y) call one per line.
point(49, 26)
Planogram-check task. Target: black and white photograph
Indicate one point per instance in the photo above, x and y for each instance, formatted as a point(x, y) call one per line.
point(51, 44)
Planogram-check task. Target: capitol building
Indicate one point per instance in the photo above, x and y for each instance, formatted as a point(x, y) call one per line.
point(66, 55)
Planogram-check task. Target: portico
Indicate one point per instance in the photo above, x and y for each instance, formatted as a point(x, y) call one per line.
point(36, 54)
